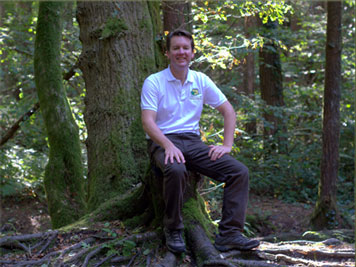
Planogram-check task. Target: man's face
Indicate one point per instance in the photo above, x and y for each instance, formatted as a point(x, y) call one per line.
point(180, 53)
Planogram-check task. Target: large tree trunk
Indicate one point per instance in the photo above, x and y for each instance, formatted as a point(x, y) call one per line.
point(64, 183)
point(118, 54)
point(325, 213)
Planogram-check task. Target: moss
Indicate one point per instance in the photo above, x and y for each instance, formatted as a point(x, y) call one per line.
point(139, 220)
point(113, 27)
point(64, 183)
point(157, 29)
point(122, 207)
point(194, 211)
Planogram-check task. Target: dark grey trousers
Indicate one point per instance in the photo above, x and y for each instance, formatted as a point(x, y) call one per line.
point(226, 169)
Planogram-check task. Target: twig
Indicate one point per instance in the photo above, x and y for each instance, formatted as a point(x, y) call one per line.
point(31, 262)
point(49, 241)
point(211, 189)
point(37, 245)
point(119, 259)
point(132, 260)
point(91, 254)
point(15, 244)
point(11, 132)
point(78, 256)
point(104, 260)
point(74, 247)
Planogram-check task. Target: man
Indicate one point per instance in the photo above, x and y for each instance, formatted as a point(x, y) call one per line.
point(171, 102)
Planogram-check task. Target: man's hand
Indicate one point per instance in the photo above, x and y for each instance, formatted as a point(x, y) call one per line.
point(171, 153)
point(217, 152)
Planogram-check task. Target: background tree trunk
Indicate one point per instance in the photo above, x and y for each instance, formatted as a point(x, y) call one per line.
point(118, 54)
point(325, 213)
point(175, 15)
point(249, 71)
point(64, 172)
point(271, 79)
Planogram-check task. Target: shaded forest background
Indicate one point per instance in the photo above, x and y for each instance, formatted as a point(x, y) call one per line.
point(284, 164)
point(280, 142)
point(269, 59)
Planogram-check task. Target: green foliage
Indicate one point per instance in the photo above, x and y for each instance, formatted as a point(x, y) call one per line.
point(222, 45)
point(22, 158)
point(287, 165)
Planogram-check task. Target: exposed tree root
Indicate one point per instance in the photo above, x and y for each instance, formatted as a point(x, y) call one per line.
point(169, 260)
point(253, 263)
point(347, 235)
point(96, 248)
point(82, 252)
point(200, 244)
point(117, 247)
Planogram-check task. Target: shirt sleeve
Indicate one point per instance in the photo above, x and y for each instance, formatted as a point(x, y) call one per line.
point(149, 95)
point(213, 95)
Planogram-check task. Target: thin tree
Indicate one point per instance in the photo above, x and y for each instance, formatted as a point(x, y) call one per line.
point(64, 182)
point(175, 15)
point(249, 70)
point(271, 77)
point(325, 213)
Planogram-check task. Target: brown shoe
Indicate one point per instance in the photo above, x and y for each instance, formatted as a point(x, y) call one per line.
point(235, 241)
point(174, 240)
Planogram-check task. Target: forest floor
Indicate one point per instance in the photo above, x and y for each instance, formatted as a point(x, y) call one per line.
point(267, 215)
point(267, 218)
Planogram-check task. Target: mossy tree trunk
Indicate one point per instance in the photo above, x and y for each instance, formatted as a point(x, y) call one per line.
point(325, 213)
point(64, 183)
point(119, 52)
point(271, 76)
point(271, 84)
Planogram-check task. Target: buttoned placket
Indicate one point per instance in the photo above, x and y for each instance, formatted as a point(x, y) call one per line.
point(184, 90)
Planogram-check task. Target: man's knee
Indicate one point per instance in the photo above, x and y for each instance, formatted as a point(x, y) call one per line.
point(239, 174)
point(176, 172)
point(243, 170)
point(174, 168)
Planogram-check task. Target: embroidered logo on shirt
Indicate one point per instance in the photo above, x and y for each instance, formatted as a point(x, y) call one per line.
point(194, 92)
point(195, 95)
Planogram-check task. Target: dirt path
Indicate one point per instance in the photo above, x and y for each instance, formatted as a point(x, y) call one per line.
point(266, 215)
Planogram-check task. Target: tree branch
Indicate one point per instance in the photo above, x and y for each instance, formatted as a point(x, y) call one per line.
point(11, 132)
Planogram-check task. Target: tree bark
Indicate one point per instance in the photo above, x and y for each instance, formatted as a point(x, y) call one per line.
point(64, 172)
point(271, 79)
point(249, 71)
point(272, 92)
point(175, 15)
point(119, 52)
point(325, 213)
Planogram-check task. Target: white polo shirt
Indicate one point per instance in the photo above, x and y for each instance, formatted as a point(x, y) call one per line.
point(178, 106)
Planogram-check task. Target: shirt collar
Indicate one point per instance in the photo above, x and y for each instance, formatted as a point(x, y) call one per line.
point(171, 78)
